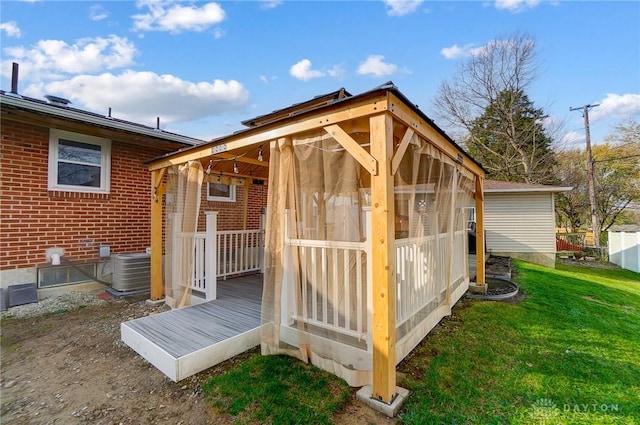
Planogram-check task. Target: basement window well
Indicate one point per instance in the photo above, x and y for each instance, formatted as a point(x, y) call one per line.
point(64, 275)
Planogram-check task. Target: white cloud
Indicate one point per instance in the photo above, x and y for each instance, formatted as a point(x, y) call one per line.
point(617, 106)
point(455, 51)
point(263, 78)
point(516, 5)
point(572, 137)
point(270, 4)
point(402, 7)
point(97, 13)
point(171, 16)
point(11, 29)
point(375, 65)
point(143, 96)
point(218, 33)
point(336, 71)
point(52, 58)
point(302, 71)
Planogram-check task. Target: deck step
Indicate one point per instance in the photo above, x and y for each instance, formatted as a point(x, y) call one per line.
point(185, 341)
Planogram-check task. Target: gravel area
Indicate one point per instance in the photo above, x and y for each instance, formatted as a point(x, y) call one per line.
point(55, 304)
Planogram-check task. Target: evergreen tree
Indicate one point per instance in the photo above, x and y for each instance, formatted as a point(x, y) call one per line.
point(510, 141)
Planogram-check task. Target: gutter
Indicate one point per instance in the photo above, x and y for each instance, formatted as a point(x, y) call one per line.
point(553, 189)
point(19, 102)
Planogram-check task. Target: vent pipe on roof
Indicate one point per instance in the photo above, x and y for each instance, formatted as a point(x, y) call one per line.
point(109, 116)
point(14, 78)
point(58, 101)
point(157, 123)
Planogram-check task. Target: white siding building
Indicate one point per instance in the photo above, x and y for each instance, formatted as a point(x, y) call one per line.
point(520, 221)
point(624, 246)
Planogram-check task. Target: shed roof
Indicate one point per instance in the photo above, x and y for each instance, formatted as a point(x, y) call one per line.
point(496, 186)
point(625, 228)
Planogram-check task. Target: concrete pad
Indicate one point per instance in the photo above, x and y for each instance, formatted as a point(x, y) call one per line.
point(365, 394)
point(154, 303)
point(474, 288)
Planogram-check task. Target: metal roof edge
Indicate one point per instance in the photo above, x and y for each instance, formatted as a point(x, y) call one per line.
point(549, 189)
point(91, 118)
point(389, 86)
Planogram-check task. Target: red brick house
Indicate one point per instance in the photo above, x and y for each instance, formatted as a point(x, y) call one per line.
point(72, 181)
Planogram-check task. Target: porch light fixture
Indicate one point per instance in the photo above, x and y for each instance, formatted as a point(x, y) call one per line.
point(209, 167)
point(260, 153)
point(235, 166)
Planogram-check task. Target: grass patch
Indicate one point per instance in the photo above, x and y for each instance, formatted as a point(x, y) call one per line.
point(567, 354)
point(277, 390)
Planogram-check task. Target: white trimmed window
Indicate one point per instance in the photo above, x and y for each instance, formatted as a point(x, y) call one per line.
point(221, 192)
point(79, 163)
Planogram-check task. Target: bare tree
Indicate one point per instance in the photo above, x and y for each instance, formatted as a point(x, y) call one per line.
point(483, 107)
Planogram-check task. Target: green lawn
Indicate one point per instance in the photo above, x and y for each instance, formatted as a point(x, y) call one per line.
point(568, 353)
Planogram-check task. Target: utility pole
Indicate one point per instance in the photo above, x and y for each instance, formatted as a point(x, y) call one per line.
point(590, 178)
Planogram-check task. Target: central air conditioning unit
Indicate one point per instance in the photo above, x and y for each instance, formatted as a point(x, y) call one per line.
point(131, 272)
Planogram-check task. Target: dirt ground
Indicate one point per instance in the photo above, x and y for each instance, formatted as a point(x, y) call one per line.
point(72, 368)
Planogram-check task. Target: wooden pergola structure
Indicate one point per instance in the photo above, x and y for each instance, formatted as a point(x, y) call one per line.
point(391, 120)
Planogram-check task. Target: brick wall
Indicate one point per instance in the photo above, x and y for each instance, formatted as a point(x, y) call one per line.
point(230, 213)
point(33, 219)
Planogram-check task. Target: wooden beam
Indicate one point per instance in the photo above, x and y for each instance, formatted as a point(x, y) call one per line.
point(406, 115)
point(480, 260)
point(245, 204)
point(383, 261)
point(157, 193)
point(274, 131)
point(243, 159)
point(402, 148)
point(228, 179)
point(357, 152)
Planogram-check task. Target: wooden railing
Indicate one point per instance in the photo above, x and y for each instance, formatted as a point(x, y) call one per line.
point(217, 254)
point(423, 268)
point(239, 251)
point(334, 284)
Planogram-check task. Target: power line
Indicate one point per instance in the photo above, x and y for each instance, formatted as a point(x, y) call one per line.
point(615, 159)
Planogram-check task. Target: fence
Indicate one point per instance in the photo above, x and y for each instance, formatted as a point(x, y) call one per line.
point(624, 250)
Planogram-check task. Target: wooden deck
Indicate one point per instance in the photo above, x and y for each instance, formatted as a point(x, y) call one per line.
point(183, 342)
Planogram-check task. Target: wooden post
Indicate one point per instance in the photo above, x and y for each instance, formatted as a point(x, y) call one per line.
point(245, 203)
point(452, 234)
point(261, 240)
point(383, 261)
point(211, 255)
point(157, 193)
point(480, 278)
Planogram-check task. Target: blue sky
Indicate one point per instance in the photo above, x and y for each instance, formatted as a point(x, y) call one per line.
point(204, 67)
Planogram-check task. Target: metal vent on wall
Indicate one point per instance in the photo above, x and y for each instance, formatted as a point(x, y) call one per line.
point(131, 272)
